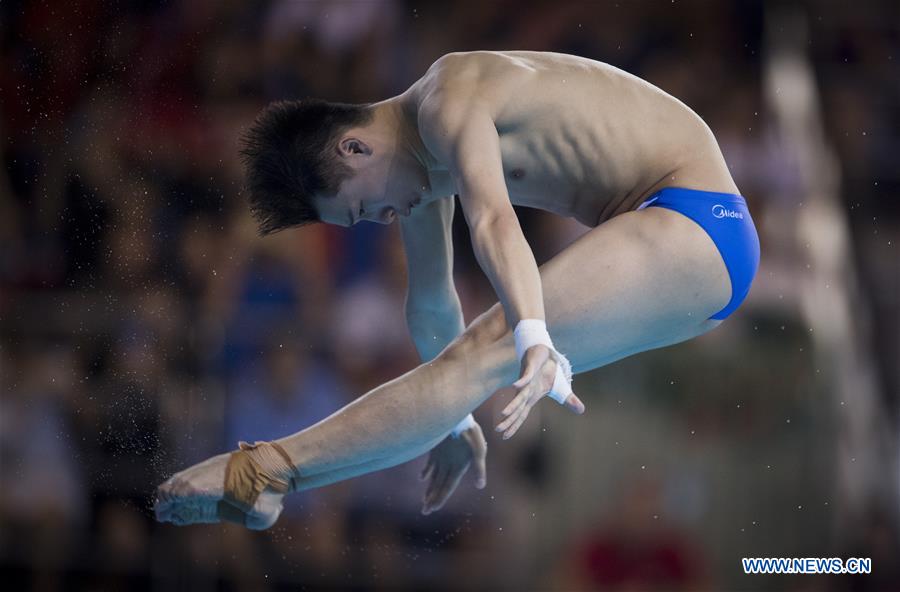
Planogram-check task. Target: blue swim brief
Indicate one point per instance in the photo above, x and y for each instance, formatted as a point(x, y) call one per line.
point(727, 221)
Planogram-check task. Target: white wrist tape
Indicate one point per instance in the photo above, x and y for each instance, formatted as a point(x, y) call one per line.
point(467, 422)
point(530, 332)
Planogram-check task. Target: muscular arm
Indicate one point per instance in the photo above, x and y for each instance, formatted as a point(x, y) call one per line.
point(433, 312)
point(461, 133)
point(457, 126)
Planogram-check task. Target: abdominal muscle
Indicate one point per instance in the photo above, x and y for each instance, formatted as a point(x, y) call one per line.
point(593, 206)
point(543, 171)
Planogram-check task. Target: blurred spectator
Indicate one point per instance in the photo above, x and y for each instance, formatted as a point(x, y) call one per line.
point(43, 499)
point(635, 548)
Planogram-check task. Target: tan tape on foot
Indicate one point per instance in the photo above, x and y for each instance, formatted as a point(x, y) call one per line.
point(245, 480)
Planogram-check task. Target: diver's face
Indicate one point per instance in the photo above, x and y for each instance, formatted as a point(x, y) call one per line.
point(382, 187)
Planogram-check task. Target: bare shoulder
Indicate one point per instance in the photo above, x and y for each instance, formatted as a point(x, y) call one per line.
point(453, 68)
point(458, 92)
point(498, 81)
point(453, 78)
point(473, 72)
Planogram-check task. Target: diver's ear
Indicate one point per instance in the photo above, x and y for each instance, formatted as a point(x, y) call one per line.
point(350, 146)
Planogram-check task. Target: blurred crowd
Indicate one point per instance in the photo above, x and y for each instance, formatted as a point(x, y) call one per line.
point(145, 326)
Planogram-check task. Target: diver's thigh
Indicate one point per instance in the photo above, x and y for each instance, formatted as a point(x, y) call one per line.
point(642, 278)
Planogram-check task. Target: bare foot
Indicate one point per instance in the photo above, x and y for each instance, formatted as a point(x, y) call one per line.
point(194, 496)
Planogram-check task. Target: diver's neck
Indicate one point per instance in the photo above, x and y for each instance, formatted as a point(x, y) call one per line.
point(395, 115)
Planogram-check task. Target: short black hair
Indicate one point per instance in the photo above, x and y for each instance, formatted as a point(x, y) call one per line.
point(290, 155)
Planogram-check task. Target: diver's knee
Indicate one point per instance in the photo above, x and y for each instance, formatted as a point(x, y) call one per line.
point(490, 327)
point(485, 350)
point(484, 337)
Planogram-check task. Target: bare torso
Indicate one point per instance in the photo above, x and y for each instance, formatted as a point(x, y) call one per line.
point(578, 138)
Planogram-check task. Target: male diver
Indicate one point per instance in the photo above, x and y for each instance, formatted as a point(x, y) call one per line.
point(671, 252)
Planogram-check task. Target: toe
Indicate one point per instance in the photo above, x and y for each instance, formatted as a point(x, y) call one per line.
point(161, 495)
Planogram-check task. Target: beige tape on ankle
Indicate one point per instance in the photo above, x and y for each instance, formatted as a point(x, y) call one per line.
point(245, 479)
